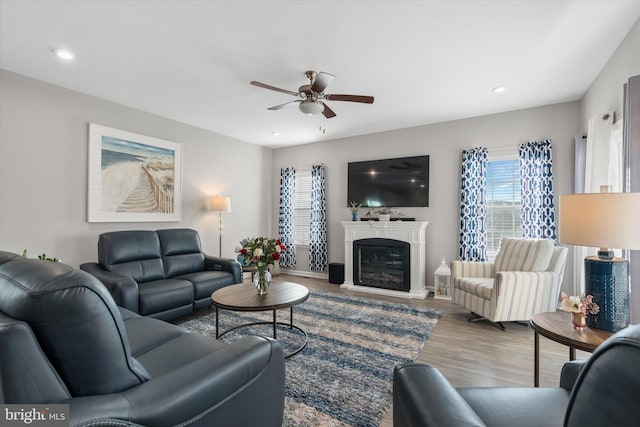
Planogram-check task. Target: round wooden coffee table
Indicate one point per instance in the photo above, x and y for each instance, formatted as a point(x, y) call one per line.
point(557, 327)
point(244, 297)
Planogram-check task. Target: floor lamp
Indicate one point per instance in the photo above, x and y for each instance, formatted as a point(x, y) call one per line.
point(604, 220)
point(220, 204)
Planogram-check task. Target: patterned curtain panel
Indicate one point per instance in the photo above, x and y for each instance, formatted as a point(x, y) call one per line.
point(536, 171)
point(318, 226)
point(473, 207)
point(287, 192)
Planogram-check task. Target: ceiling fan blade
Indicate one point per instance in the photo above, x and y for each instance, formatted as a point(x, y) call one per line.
point(328, 112)
point(321, 82)
point(351, 98)
point(286, 104)
point(277, 89)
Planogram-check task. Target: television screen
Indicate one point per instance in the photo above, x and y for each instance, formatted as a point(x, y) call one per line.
point(402, 182)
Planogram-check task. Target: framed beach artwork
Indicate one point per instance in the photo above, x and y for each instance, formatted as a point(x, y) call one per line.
point(132, 177)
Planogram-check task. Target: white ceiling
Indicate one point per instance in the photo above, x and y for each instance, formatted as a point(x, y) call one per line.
point(423, 61)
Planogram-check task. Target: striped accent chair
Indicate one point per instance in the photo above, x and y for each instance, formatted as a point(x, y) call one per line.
point(525, 279)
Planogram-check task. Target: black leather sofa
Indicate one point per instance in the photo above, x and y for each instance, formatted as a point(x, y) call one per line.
point(63, 340)
point(162, 274)
point(601, 391)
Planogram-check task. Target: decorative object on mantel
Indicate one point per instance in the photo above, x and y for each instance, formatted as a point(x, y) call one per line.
point(579, 307)
point(442, 281)
point(261, 252)
point(384, 214)
point(605, 220)
point(354, 206)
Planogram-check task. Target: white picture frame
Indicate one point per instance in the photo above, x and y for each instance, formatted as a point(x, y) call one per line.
point(132, 177)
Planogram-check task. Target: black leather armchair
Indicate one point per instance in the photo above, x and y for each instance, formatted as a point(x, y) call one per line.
point(162, 274)
point(63, 340)
point(601, 391)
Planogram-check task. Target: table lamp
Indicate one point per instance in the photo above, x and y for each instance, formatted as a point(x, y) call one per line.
point(220, 204)
point(604, 220)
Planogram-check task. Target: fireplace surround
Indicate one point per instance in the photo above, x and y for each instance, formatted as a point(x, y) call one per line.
point(378, 234)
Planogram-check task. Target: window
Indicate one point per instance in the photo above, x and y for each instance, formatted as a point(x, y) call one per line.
point(503, 198)
point(302, 208)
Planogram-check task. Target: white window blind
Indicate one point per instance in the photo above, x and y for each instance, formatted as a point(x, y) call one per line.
point(503, 200)
point(302, 208)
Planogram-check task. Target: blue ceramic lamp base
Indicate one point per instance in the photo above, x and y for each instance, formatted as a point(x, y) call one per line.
point(607, 279)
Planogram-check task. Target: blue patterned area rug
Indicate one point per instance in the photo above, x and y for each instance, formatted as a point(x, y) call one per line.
point(344, 376)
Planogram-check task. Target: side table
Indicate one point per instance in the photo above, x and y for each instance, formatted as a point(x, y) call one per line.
point(557, 327)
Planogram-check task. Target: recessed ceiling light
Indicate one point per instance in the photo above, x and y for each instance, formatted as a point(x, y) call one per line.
point(499, 89)
point(275, 133)
point(64, 54)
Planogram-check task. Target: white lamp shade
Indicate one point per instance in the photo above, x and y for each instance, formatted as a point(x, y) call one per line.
point(605, 220)
point(220, 204)
point(311, 107)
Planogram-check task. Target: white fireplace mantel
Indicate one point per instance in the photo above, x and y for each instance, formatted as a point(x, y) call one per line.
point(412, 232)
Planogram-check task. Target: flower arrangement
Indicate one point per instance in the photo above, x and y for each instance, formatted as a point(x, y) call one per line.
point(353, 206)
point(260, 251)
point(579, 304)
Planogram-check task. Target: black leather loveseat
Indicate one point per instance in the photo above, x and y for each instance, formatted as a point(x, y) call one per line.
point(601, 391)
point(162, 274)
point(63, 340)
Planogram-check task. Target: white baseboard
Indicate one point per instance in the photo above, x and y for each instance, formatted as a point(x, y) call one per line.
point(302, 273)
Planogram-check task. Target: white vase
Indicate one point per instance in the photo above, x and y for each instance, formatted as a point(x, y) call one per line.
point(384, 217)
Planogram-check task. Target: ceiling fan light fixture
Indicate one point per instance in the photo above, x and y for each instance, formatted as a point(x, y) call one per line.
point(311, 108)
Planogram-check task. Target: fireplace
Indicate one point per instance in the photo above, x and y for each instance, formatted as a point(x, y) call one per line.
point(382, 263)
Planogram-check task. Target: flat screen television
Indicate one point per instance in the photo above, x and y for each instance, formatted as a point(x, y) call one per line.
point(401, 182)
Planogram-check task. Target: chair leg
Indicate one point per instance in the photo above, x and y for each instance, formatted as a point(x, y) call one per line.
point(476, 317)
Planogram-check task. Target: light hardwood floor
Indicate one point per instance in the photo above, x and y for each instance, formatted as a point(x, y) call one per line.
point(473, 354)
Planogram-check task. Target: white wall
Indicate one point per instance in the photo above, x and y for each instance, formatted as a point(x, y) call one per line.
point(606, 93)
point(443, 142)
point(43, 173)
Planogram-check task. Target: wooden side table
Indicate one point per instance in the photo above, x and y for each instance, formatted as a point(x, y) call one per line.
point(557, 327)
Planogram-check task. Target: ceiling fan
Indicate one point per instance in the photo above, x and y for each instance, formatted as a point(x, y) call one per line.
point(312, 95)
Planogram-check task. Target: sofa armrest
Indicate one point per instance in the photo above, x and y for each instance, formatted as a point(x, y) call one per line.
point(518, 295)
point(570, 372)
point(224, 264)
point(472, 269)
point(423, 397)
point(507, 281)
point(214, 390)
point(123, 288)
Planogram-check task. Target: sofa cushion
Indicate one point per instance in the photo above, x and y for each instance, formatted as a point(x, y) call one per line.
point(178, 352)
point(76, 322)
point(524, 255)
point(161, 295)
point(514, 406)
point(206, 282)
point(181, 251)
point(478, 286)
point(147, 333)
point(133, 253)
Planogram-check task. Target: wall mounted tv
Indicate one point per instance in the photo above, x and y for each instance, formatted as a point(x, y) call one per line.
point(401, 182)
